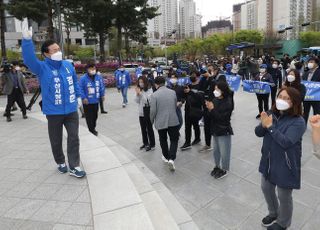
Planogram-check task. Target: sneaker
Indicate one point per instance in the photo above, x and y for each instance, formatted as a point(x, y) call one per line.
point(25, 117)
point(276, 226)
point(185, 146)
point(142, 147)
point(104, 112)
point(77, 172)
point(95, 132)
point(205, 148)
point(5, 114)
point(9, 119)
point(171, 165)
point(83, 116)
point(268, 221)
point(164, 159)
point(147, 148)
point(123, 105)
point(215, 171)
point(258, 116)
point(221, 174)
point(195, 142)
point(62, 168)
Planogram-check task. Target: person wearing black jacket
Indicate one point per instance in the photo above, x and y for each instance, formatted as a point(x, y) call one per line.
point(206, 86)
point(312, 75)
point(193, 113)
point(180, 96)
point(275, 72)
point(220, 110)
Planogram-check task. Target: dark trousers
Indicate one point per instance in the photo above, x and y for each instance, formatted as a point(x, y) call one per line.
point(307, 107)
point(273, 94)
point(91, 114)
point(263, 102)
point(169, 154)
point(147, 131)
point(55, 129)
point(16, 96)
point(101, 105)
point(207, 128)
point(34, 98)
point(189, 122)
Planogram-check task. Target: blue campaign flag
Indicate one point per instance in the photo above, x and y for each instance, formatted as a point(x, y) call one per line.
point(258, 87)
point(234, 82)
point(313, 90)
point(184, 81)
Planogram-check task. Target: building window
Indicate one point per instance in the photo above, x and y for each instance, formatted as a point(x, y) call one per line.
point(78, 41)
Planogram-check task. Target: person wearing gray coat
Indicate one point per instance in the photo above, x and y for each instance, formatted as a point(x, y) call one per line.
point(163, 107)
point(14, 87)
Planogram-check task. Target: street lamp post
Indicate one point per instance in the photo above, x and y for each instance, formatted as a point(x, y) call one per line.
point(60, 26)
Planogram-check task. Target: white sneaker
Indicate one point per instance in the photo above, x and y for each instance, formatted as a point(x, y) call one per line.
point(164, 159)
point(171, 165)
point(123, 105)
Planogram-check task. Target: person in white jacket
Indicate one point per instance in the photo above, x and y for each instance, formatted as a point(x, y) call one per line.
point(143, 93)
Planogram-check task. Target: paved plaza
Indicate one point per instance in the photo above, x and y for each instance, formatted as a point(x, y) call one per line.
point(34, 196)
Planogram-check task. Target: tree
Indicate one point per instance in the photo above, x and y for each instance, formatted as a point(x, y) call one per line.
point(2, 30)
point(254, 36)
point(310, 38)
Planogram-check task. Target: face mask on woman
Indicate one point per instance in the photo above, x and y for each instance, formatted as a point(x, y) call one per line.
point(217, 93)
point(310, 65)
point(173, 80)
point(282, 105)
point(291, 78)
point(141, 85)
point(275, 66)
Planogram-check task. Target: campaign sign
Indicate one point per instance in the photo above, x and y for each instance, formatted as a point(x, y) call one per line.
point(312, 90)
point(258, 87)
point(234, 82)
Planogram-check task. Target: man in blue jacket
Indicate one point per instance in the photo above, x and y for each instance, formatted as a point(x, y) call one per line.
point(92, 89)
point(123, 82)
point(60, 90)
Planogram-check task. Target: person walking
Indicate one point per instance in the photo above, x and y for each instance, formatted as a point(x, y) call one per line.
point(312, 75)
point(123, 82)
point(60, 90)
point(163, 114)
point(14, 87)
point(263, 99)
point(143, 93)
point(282, 129)
point(293, 79)
point(220, 110)
point(276, 74)
point(92, 90)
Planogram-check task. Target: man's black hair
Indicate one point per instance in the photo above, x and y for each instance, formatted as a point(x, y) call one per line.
point(90, 65)
point(15, 63)
point(160, 81)
point(315, 59)
point(45, 46)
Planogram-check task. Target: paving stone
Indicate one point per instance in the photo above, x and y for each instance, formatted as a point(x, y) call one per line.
point(51, 211)
point(68, 193)
point(85, 196)
point(36, 225)
point(134, 218)
point(78, 214)
point(21, 190)
point(68, 227)
point(39, 176)
point(9, 224)
point(24, 209)
point(6, 203)
point(18, 175)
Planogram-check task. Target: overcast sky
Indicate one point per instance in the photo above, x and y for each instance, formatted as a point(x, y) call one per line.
point(214, 9)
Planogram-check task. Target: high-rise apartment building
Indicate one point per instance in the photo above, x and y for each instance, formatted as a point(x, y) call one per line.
point(190, 22)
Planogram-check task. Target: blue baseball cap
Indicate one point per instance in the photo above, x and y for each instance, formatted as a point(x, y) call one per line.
point(263, 66)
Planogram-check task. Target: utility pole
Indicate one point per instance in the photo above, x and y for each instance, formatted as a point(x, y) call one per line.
point(2, 31)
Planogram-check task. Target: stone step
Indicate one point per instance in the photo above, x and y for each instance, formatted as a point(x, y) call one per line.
point(163, 208)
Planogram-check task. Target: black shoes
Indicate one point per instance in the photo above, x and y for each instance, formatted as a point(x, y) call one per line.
point(142, 147)
point(196, 141)
point(104, 112)
point(185, 146)
point(218, 173)
point(25, 116)
point(268, 221)
point(258, 116)
point(94, 132)
point(5, 114)
point(276, 226)
point(9, 119)
point(149, 148)
point(215, 171)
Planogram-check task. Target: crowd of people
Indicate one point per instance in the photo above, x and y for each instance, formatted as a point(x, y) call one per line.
point(207, 100)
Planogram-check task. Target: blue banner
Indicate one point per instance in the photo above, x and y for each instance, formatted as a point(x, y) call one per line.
point(312, 90)
point(234, 82)
point(258, 87)
point(182, 81)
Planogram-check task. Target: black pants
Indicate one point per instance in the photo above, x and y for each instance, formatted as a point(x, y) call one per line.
point(307, 107)
point(91, 114)
point(207, 128)
point(55, 129)
point(34, 98)
point(189, 122)
point(263, 102)
point(169, 154)
point(273, 94)
point(101, 105)
point(147, 131)
point(16, 96)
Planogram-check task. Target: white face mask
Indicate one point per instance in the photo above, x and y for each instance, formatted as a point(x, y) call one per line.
point(310, 65)
point(121, 69)
point(17, 68)
point(282, 105)
point(291, 78)
point(141, 85)
point(92, 72)
point(57, 56)
point(275, 66)
point(262, 70)
point(217, 93)
point(173, 80)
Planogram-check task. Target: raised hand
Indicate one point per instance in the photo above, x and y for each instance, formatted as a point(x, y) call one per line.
point(26, 32)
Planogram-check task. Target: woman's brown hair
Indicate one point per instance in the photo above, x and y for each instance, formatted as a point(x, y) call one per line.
point(145, 82)
point(297, 82)
point(295, 97)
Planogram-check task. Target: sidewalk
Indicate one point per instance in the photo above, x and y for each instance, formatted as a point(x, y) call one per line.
point(33, 195)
